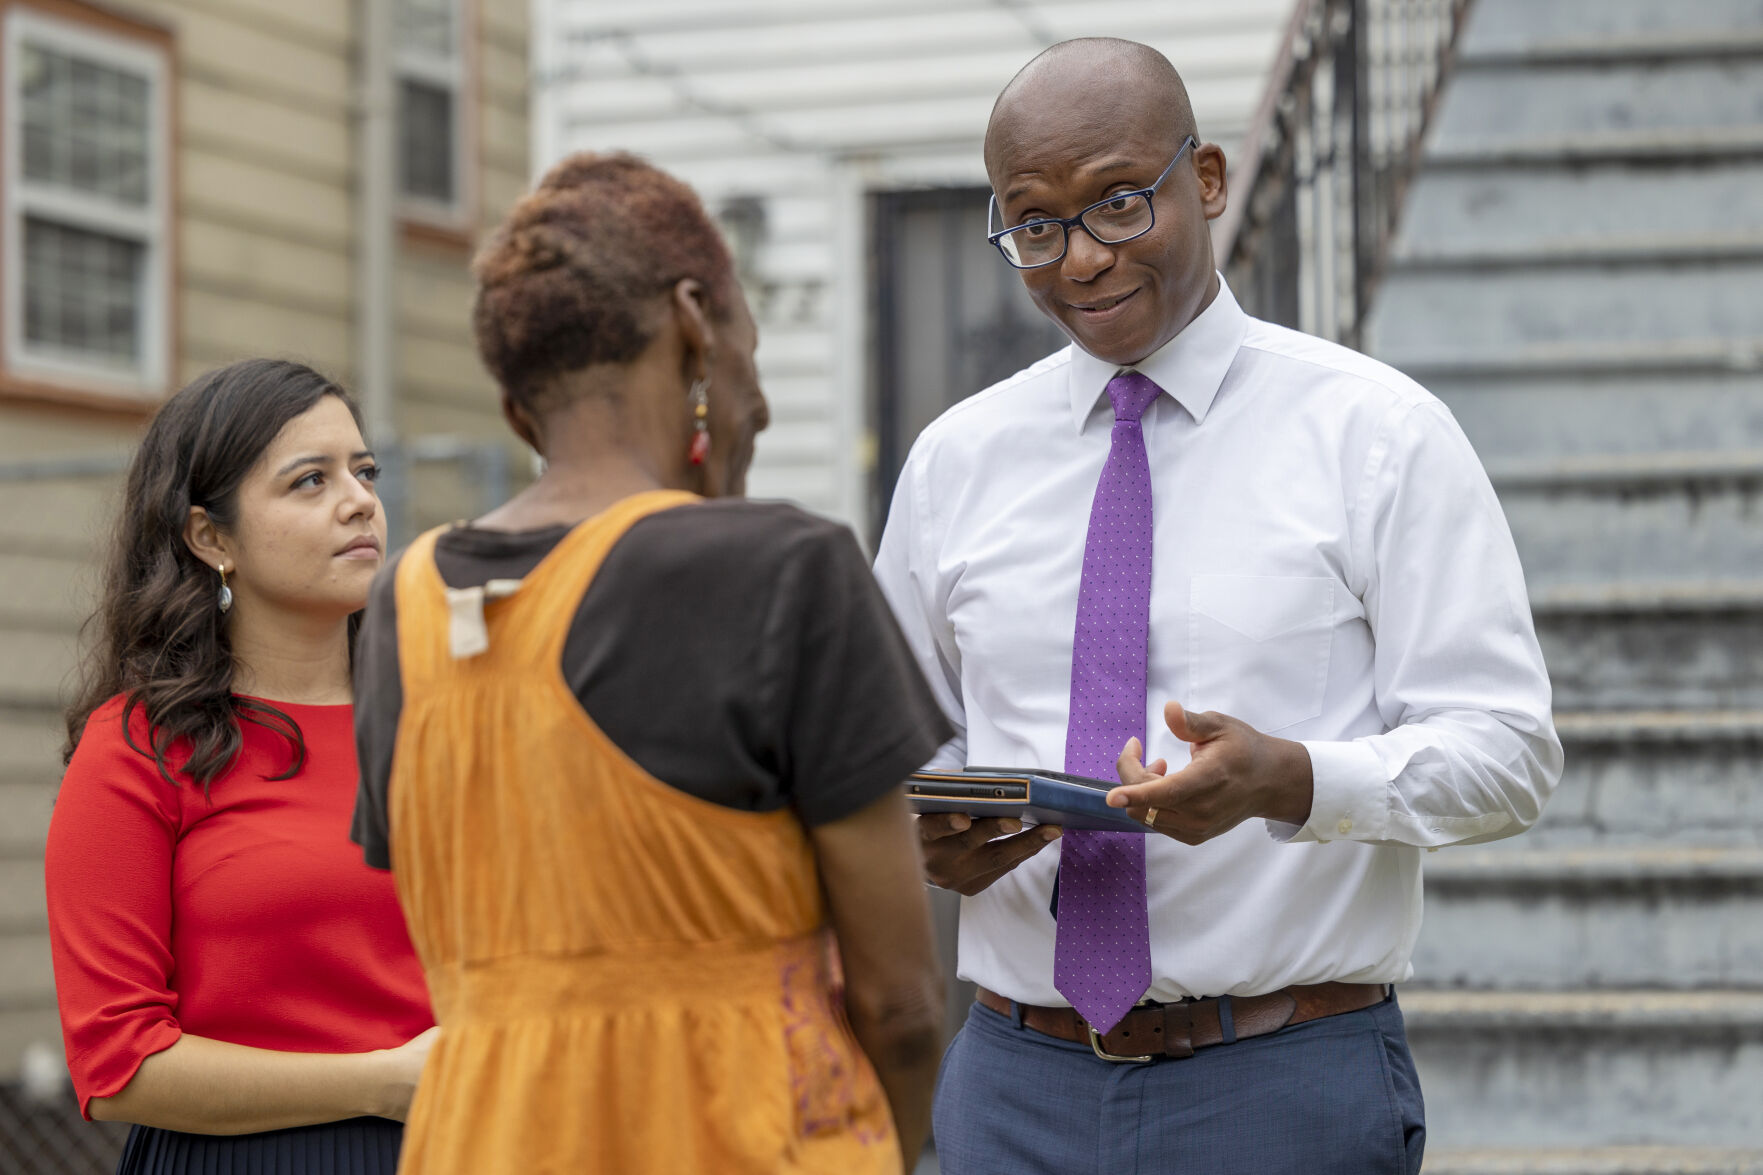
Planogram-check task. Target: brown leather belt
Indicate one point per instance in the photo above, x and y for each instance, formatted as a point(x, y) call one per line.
point(1152, 1032)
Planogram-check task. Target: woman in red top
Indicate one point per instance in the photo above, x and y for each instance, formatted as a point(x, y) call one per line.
point(232, 978)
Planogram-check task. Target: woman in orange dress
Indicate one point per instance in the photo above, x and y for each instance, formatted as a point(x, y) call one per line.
point(632, 746)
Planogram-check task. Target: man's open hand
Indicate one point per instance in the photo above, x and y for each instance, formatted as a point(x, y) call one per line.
point(1236, 773)
point(966, 855)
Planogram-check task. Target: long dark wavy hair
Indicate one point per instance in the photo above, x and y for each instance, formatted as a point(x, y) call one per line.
point(157, 635)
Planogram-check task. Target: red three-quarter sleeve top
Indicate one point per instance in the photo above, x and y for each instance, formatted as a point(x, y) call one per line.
point(245, 915)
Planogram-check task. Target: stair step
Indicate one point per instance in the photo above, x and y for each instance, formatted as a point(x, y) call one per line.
point(1525, 415)
point(1676, 597)
point(1520, 212)
point(1602, 1160)
point(1665, 46)
point(1688, 644)
point(1687, 146)
point(1515, 916)
point(1567, 358)
point(1569, 100)
point(1516, 26)
point(1733, 1014)
point(1661, 726)
point(1604, 869)
point(1443, 315)
point(1655, 778)
point(1569, 1069)
point(1683, 645)
point(1625, 249)
point(1637, 471)
point(1634, 517)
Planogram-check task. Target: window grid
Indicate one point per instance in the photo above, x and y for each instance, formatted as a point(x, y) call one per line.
point(426, 147)
point(430, 65)
point(84, 124)
point(82, 292)
point(84, 142)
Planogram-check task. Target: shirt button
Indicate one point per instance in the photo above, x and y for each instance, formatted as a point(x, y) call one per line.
point(1345, 827)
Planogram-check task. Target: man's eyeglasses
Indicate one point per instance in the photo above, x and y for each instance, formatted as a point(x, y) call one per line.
point(1113, 220)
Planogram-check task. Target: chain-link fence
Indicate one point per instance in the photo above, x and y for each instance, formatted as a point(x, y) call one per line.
point(42, 1133)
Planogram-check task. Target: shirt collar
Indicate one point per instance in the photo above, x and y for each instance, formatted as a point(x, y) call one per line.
point(1190, 367)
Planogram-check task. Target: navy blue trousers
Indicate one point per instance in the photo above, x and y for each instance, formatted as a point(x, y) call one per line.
point(1336, 1096)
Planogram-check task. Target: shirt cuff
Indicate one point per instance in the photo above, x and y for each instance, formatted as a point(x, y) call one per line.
point(1349, 796)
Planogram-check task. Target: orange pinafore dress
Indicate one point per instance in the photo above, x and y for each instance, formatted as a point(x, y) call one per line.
point(628, 979)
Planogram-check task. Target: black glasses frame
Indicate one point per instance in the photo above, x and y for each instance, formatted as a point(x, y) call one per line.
point(1066, 224)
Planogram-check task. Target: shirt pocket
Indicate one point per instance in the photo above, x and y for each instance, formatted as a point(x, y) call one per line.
point(1260, 646)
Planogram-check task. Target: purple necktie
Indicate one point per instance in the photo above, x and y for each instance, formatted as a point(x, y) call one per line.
point(1102, 952)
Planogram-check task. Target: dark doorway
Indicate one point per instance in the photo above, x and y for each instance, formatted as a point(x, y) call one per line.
point(951, 319)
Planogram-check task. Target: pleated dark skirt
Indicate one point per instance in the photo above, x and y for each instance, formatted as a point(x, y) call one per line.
point(358, 1146)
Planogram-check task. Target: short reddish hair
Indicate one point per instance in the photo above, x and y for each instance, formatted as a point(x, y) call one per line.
point(562, 282)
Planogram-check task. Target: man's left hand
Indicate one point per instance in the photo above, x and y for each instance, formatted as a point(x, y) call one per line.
point(1236, 773)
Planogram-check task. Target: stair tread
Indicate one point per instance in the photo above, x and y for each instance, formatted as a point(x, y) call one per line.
point(1716, 353)
point(1642, 1008)
point(1648, 144)
point(1617, 50)
point(1658, 465)
point(1688, 595)
point(1658, 724)
point(1625, 248)
point(1595, 863)
point(1596, 1160)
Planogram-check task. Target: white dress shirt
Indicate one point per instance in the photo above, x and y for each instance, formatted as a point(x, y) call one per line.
point(1329, 564)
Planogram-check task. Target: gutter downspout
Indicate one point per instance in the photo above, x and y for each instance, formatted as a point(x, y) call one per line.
point(376, 375)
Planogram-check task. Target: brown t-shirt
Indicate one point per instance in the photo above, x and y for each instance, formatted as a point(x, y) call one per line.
point(738, 651)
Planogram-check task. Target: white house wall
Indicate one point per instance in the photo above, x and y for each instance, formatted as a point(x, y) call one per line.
point(808, 106)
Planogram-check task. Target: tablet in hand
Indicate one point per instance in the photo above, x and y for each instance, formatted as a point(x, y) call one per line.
point(1032, 796)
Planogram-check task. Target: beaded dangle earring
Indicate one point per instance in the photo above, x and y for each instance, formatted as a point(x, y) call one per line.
point(226, 593)
point(700, 397)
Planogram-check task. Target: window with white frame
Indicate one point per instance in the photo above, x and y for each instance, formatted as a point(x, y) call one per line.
point(85, 206)
point(430, 61)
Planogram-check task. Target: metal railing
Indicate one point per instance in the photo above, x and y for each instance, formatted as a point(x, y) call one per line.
point(1327, 162)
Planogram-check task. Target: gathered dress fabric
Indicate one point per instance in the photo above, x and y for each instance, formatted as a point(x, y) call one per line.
point(628, 978)
point(238, 912)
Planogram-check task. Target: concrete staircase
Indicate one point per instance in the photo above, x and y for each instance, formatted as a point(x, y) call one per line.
point(1580, 276)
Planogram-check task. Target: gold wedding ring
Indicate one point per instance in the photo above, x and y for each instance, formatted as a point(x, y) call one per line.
point(1150, 817)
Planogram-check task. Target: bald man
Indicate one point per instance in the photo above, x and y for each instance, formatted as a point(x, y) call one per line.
point(1263, 580)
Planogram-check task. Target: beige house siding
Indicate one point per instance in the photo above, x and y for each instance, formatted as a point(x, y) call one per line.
point(264, 230)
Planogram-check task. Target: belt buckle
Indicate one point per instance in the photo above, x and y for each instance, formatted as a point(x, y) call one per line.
point(1096, 1047)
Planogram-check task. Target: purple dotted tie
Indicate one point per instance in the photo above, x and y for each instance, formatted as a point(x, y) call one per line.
point(1102, 953)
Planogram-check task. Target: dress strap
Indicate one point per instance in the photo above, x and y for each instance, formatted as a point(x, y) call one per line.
point(509, 620)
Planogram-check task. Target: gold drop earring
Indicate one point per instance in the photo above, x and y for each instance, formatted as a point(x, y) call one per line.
point(700, 398)
point(226, 593)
